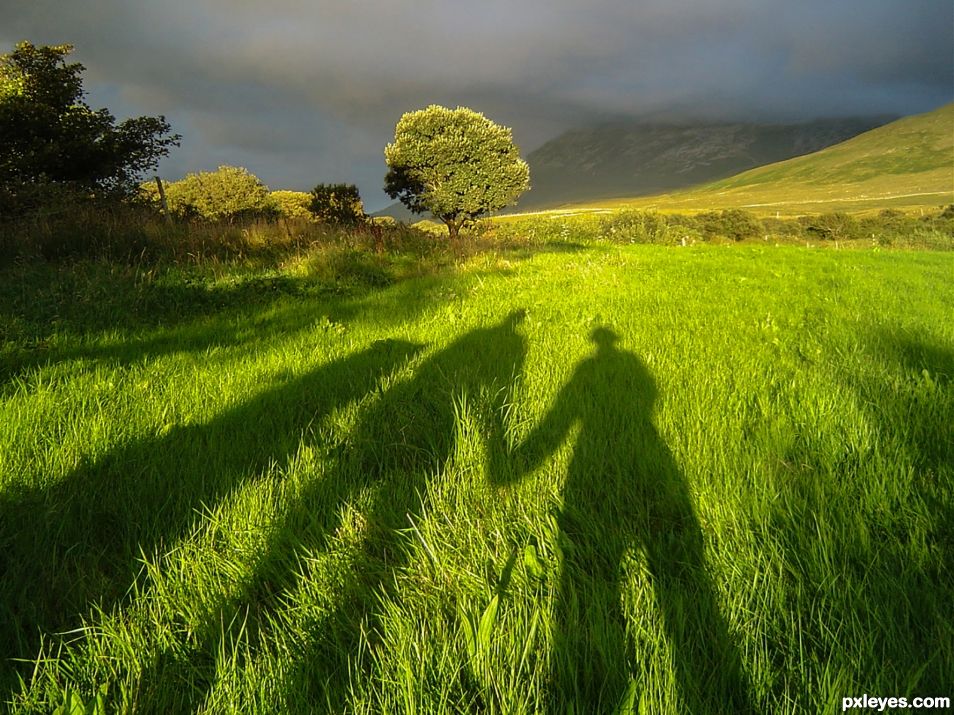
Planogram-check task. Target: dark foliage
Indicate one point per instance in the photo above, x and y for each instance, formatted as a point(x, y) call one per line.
point(735, 224)
point(839, 226)
point(338, 204)
point(50, 137)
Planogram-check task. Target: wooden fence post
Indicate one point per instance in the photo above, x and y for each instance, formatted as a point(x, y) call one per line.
point(162, 200)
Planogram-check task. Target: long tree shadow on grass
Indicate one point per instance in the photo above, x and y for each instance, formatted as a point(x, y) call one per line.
point(78, 542)
point(401, 443)
point(623, 489)
point(133, 325)
point(868, 536)
point(915, 412)
point(50, 315)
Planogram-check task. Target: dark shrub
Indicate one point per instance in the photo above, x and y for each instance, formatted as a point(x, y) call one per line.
point(337, 204)
point(734, 224)
point(835, 226)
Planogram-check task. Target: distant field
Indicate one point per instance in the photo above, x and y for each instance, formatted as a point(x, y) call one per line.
point(776, 202)
point(906, 165)
point(705, 479)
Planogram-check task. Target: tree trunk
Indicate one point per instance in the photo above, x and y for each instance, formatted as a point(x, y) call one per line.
point(453, 228)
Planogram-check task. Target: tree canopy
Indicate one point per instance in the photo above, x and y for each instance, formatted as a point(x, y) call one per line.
point(455, 163)
point(49, 135)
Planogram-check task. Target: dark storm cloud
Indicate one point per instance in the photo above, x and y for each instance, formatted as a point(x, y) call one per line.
point(302, 92)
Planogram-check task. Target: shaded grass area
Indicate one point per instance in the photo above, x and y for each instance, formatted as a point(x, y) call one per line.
point(708, 479)
point(97, 311)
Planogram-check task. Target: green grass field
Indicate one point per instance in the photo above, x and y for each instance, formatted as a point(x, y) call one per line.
point(576, 479)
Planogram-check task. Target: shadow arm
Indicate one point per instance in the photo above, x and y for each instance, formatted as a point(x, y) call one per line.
point(510, 463)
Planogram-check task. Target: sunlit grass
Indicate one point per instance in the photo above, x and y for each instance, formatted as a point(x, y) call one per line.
point(409, 499)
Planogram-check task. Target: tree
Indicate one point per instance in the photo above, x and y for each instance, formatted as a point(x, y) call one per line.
point(49, 135)
point(337, 204)
point(226, 194)
point(455, 163)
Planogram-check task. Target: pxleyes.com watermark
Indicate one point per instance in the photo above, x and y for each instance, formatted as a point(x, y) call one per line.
point(869, 702)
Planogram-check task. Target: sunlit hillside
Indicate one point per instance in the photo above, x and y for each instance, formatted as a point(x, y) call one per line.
point(906, 164)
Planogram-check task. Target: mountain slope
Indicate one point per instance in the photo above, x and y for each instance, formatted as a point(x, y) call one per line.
point(631, 159)
point(909, 162)
point(400, 212)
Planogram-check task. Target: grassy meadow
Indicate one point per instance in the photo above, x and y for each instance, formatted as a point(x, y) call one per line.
point(575, 477)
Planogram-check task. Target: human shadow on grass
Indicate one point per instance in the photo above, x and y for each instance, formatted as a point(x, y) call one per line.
point(381, 471)
point(401, 443)
point(928, 366)
point(917, 413)
point(624, 489)
point(78, 543)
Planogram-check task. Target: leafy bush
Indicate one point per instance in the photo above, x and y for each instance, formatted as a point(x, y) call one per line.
point(542, 230)
point(637, 227)
point(337, 204)
point(683, 230)
point(942, 222)
point(227, 194)
point(431, 228)
point(734, 224)
point(783, 229)
point(293, 205)
point(836, 226)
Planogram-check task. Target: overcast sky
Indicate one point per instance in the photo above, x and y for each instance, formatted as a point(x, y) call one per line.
point(308, 91)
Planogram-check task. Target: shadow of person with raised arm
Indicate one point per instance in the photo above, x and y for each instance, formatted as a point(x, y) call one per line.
point(401, 444)
point(78, 543)
point(623, 488)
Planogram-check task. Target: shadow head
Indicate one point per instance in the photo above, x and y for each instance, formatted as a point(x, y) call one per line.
point(604, 337)
point(515, 317)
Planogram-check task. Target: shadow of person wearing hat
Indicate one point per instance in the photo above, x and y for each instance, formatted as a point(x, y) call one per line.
point(623, 488)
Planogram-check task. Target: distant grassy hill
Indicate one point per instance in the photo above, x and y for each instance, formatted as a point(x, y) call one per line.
point(639, 158)
point(906, 164)
point(398, 211)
